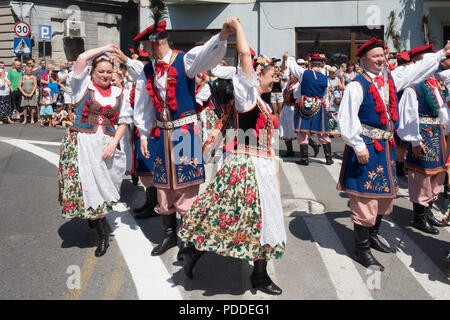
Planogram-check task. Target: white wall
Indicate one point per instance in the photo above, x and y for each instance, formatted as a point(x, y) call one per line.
point(278, 19)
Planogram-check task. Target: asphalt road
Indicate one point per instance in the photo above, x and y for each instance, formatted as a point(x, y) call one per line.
point(44, 256)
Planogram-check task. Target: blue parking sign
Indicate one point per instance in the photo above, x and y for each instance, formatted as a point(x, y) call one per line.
point(45, 32)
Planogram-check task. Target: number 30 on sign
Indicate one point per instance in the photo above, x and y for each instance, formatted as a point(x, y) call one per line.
point(22, 29)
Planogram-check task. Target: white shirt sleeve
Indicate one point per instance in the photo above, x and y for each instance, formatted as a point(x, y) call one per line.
point(79, 83)
point(293, 67)
point(126, 112)
point(417, 72)
point(144, 111)
point(349, 124)
point(244, 90)
point(203, 94)
point(223, 72)
point(134, 68)
point(408, 111)
point(204, 57)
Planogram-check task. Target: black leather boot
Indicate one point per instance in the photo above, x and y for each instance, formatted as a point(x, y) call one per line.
point(304, 161)
point(169, 225)
point(135, 179)
point(421, 219)
point(103, 233)
point(190, 257)
point(146, 203)
point(261, 281)
point(400, 169)
point(362, 248)
point(290, 150)
point(315, 146)
point(375, 242)
point(152, 201)
point(327, 151)
point(431, 218)
point(183, 246)
point(91, 224)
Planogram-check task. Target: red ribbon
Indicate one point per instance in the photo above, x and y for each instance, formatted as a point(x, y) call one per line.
point(379, 81)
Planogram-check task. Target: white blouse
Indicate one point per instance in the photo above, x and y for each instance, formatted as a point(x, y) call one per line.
point(349, 124)
point(4, 88)
point(79, 83)
point(197, 60)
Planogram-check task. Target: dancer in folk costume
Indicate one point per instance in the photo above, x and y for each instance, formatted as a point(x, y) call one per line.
point(165, 113)
point(401, 149)
point(240, 214)
point(141, 166)
point(287, 126)
point(423, 109)
point(205, 106)
point(368, 117)
point(91, 167)
point(312, 116)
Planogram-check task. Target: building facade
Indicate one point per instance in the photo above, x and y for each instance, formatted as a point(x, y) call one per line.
point(76, 26)
point(336, 28)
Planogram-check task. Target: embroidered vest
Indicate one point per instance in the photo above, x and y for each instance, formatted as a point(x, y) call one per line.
point(428, 102)
point(185, 90)
point(367, 114)
point(90, 114)
point(254, 131)
point(314, 84)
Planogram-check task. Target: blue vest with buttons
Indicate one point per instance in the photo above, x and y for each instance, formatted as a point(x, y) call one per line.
point(378, 178)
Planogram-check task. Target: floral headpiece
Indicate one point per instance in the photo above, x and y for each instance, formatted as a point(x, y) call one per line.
point(261, 62)
point(104, 57)
point(120, 72)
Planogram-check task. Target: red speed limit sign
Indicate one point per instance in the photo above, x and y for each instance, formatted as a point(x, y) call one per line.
point(22, 29)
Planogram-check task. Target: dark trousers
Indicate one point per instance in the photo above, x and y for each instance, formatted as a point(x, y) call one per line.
point(16, 98)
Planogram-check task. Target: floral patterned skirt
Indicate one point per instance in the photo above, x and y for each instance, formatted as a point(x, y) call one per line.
point(226, 218)
point(70, 189)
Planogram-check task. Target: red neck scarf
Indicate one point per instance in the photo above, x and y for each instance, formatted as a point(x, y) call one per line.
point(105, 93)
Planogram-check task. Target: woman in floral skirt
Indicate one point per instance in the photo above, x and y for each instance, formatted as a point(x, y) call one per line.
point(240, 214)
point(91, 167)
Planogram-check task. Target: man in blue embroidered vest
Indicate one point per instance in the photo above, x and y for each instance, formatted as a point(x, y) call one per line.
point(165, 114)
point(312, 106)
point(368, 117)
point(421, 126)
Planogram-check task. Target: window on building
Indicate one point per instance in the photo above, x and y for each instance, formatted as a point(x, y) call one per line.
point(339, 44)
point(45, 49)
point(446, 34)
point(185, 40)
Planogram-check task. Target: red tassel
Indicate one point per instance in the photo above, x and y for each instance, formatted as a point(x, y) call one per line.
point(184, 129)
point(152, 133)
point(158, 132)
point(378, 146)
point(196, 129)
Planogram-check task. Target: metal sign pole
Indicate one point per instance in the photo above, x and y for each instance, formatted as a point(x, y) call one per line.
point(43, 43)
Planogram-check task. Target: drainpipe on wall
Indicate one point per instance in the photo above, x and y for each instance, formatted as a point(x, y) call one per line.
point(259, 27)
point(144, 14)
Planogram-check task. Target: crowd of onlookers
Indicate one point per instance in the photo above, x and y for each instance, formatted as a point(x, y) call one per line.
point(36, 94)
point(338, 78)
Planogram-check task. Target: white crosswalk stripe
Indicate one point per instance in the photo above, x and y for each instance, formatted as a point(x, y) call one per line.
point(342, 271)
point(406, 249)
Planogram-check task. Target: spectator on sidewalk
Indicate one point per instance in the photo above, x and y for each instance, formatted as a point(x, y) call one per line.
point(46, 107)
point(61, 117)
point(5, 99)
point(28, 87)
point(14, 76)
